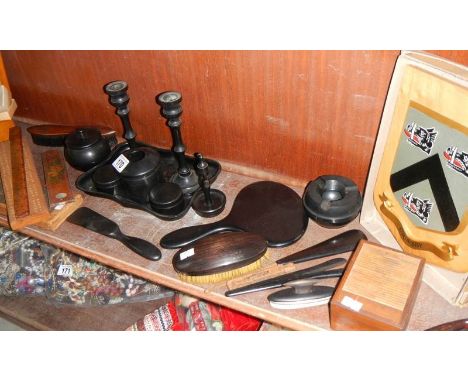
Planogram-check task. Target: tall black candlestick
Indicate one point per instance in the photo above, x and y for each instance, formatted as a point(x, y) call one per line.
point(172, 110)
point(118, 97)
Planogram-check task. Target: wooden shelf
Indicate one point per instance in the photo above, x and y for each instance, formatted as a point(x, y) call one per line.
point(35, 313)
point(430, 309)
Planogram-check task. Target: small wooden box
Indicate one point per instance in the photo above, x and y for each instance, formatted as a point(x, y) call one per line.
point(377, 290)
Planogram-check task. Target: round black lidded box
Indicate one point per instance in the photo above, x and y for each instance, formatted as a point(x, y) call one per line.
point(167, 198)
point(332, 200)
point(106, 178)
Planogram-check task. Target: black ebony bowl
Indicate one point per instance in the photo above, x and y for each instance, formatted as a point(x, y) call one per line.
point(332, 200)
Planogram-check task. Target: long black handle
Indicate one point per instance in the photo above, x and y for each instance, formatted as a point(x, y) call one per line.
point(344, 242)
point(188, 235)
point(94, 221)
point(142, 247)
point(317, 271)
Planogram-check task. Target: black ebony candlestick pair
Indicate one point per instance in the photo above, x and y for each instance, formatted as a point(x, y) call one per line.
point(206, 202)
point(171, 110)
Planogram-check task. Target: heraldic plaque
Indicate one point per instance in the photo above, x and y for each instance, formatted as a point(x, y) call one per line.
point(421, 191)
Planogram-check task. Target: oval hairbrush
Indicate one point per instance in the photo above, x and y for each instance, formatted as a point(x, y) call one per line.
point(220, 257)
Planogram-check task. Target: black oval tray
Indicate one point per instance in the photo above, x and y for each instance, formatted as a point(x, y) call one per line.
point(168, 167)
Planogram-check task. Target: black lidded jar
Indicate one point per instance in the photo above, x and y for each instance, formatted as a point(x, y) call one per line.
point(167, 199)
point(85, 148)
point(106, 179)
point(141, 173)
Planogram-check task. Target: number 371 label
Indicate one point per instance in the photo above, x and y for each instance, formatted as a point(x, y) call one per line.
point(65, 270)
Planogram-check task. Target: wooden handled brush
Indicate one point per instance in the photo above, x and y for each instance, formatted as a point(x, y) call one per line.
point(220, 257)
point(54, 135)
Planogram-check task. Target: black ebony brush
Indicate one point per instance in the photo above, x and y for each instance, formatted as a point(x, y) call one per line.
point(220, 257)
point(344, 242)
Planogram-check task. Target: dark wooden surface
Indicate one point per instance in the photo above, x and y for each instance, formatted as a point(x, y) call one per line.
point(35, 313)
point(294, 113)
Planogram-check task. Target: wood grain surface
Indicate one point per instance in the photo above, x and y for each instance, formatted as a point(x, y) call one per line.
point(299, 114)
point(18, 174)
point(36, 313)
point(38, 208)
point(383, 282)
point(6, 124)
point(294, 113)
point(219, 253)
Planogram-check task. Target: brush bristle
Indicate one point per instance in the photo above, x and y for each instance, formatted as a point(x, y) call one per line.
point(227, 275)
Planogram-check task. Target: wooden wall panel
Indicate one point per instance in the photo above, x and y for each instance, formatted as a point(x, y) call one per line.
point(459, 56)
point(293, 113)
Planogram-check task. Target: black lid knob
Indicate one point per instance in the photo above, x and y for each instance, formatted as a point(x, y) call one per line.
point(83, 138)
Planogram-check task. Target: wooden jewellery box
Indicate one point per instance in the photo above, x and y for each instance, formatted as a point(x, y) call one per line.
point(416, 196)
point(377, 290)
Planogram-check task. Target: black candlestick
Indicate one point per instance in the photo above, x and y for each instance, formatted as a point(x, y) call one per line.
point(171, 110)
point(118, 97)
point(206, 202)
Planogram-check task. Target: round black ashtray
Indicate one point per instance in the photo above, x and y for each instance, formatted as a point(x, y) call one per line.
point(332, 200)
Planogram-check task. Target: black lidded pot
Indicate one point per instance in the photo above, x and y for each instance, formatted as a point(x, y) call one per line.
point(106, 179)
point(85, 148)
point(141, 173)
point(167, 198)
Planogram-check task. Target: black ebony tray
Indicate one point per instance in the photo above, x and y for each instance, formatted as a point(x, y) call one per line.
point(168, 167)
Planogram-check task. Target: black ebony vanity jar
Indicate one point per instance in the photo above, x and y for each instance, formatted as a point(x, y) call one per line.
point(167, 199)
point(141, 173)
point(332, 200)
point(85, 148)
point(106, 179)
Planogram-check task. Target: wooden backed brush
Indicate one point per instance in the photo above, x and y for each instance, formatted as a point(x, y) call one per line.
point(220, 257)
point(54, 135)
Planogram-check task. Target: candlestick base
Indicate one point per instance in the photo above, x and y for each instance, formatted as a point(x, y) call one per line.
point(207, 210)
